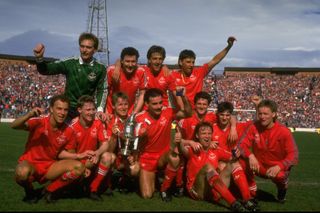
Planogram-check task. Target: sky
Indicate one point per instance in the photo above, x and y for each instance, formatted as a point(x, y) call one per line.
point(269, 33)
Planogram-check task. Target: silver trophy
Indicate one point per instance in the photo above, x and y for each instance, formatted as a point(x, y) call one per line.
point(131, 141)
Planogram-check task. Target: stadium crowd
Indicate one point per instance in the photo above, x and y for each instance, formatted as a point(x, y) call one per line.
point(297, 96)
point(22, 88)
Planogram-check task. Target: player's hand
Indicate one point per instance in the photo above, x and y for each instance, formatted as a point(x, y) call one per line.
point(195, 146)
point(177, 137)
point(101, 116)
point(86, 154)
point(131, 160)
point(273, 171)
point(254, 163)
point(180, 91)
point(231, 40)
point(166, 70)
point(116, 72)
point(115, 129)
point(38, 50)
point(214, 144)
point(35, 112)
point(232, 137)
point(236, 152)
point(255, 99)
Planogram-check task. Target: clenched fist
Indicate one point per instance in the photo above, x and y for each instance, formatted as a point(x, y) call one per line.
point(38, 50)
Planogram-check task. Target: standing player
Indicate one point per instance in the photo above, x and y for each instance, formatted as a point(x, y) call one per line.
point(91, 135)
point(48, 136)
point(269, 149)
point(154, 131)
point(159, 76)
point(191, 77)
point(84, 75)
point(128, 78)
point(203, 180)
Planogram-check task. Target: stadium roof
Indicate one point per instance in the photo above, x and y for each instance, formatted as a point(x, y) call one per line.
point(30, 59)
point(272, 70)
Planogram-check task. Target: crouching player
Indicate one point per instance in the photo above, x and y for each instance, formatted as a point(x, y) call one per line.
point(269, 149)
point(203, 180)
point(126, 164)
point(48, 136)
point(91, 136)
point(232, 170)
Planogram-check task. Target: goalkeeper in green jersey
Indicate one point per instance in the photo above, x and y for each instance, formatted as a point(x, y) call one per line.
point(84, 75)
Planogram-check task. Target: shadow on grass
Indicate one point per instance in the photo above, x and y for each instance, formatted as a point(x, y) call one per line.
point(265, 196)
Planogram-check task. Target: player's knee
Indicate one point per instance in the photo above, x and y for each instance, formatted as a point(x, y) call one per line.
point(107, 158)
point(146, 194)
point(174, 164)
point(79, 168)
point(22, 173)
point(212, 173)
point(134, 169)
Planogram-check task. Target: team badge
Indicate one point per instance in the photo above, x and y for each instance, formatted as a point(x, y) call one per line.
point(92, 76)
point(94, 132)
point(61, 139)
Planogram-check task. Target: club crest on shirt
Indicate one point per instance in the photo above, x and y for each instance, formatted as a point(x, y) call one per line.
point(93, 132)
point(192, 78)
point(212, 156)
point(61, 139)
point(92, 76)
point(135, 81)
point(79, 134)
point(162, 81)
point(163, 121)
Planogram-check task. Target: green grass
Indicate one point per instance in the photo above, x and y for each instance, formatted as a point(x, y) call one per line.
point(303, 193)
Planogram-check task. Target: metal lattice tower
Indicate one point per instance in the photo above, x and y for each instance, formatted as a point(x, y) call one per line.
point(98, 25)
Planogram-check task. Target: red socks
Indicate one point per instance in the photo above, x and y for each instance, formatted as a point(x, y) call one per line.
point(169, 175)
point(217, 185)
point(62, 181)
point(102, 171)
point(240, 180)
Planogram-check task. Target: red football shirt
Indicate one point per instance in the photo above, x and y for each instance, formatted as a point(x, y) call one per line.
point(158, 131)
point(129, 85)
point(193, 83)
point(44, 144)
point(89, 138)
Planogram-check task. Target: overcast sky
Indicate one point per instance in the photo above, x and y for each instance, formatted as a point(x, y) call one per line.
point(270, 33)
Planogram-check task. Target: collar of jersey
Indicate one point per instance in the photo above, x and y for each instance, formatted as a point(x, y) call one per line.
point(90, 63)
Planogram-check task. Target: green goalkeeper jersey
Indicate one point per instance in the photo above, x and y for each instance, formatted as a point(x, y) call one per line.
point(81, 79)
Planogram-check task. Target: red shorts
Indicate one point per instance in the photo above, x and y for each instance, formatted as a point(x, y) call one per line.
point(40, 168)
point(149, 160)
